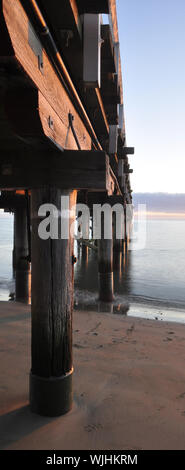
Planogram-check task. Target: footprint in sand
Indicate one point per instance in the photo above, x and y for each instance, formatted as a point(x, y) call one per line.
point(182, 395)
point(131, 329)
point(93, 427)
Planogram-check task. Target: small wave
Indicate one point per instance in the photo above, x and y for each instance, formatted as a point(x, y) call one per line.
point(163, 303)
point(86, 300)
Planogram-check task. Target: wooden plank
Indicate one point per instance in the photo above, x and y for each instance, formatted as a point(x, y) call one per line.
point(73, 48)
point(114, 27)
point(113, 19)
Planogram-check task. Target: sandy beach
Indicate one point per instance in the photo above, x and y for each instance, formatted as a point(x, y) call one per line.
point(129, 385)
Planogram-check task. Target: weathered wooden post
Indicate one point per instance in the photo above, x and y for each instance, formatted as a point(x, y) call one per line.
point(85, 248)
point(125, 227)
point(105, 263)
point(14, 245)
point(117, 244)
point(20, 255)
point(52, 304)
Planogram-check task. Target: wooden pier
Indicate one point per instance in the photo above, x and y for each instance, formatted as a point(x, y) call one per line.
point(62, 134)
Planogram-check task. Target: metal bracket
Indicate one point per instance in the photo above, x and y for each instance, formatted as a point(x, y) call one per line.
point(36, 46)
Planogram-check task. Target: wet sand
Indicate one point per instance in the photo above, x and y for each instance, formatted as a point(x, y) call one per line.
point(129, 385)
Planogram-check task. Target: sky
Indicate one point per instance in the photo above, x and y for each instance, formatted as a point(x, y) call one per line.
point(152, 45)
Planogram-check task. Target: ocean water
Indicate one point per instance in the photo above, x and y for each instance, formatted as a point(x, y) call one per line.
point(153, 276)
point(6, 247)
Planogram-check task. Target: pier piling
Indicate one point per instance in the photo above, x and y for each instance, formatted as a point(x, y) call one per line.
point(21, 263)
point(105, 265)
point(52, 304)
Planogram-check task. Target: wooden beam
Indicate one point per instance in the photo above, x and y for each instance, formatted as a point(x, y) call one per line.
point(70, 47)
point(61, 22)
point(115, 199)
point(112, 112)
point(93, 6)
point(33, 119)
point(69, 169)
point(23, 62)
point(108, 60)
point(99, 198)
point(129, 171)
point(9, 200)
point(111, 90)
point(114, 28)
point(128, 150)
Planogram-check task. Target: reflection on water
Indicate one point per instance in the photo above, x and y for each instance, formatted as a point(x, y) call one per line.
point(153, 276)
point(7, 276)
point(86, 271)
point(86, 281)
point(6, 245)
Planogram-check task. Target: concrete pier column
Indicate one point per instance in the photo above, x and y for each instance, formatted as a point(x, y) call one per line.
point(21, 264)
point(105, 265)
point(52, 305)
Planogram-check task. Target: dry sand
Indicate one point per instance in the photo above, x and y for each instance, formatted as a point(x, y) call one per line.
point(129, 385)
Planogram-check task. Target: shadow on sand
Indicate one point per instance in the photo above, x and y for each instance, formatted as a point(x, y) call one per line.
point(18, 424)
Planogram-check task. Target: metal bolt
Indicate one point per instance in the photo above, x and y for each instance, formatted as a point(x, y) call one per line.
point(50, 122)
